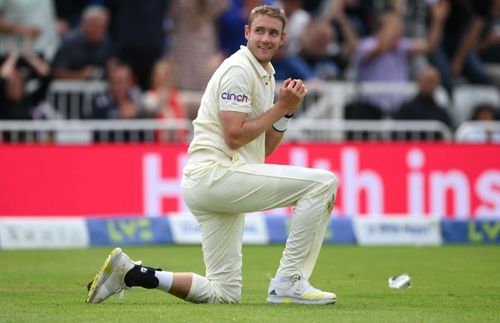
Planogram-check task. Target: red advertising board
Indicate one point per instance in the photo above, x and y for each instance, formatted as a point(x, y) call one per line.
point(448, 180)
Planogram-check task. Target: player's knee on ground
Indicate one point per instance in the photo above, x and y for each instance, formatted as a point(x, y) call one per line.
point(204, 290)
point(227, 294)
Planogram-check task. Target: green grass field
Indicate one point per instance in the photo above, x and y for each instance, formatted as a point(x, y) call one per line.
point(450, 284)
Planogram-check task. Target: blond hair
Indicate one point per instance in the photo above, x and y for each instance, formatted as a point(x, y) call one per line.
point(267, 10)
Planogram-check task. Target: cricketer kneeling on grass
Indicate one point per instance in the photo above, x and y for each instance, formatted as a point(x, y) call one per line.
point(236, 128)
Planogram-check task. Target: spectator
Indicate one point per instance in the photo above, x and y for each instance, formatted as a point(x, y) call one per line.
point(298, 19)
point(321, 46)
point(347, 38)
point(16, 103)
point(423, 106)
point(361, 14)
point(386, 57)
point(136, 30)
point(162, 100)
point(122, 101)
point(30, 18)
point(69, 13)
point(484, 114)
point(84, 52)
point(457, 56)
point(288, 65)
point(195, 51)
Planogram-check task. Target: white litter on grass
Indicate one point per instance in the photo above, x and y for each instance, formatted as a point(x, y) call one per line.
point(401, 281)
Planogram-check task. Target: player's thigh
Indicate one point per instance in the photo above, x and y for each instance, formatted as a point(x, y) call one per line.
point(256, 187)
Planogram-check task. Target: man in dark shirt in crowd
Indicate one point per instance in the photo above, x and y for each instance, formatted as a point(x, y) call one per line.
point(84, 51)
point(423, 106)
point(121, 101)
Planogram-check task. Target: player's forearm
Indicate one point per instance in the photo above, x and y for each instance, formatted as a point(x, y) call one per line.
point(240, 133)
point(273, 139)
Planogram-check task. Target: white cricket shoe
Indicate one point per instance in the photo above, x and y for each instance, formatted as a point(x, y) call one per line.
point(297, 290)
point(110, 279)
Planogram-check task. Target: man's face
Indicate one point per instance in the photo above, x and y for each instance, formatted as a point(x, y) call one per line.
point(264, 37)
point(120, 82)
point(428, 81)
point(95, 28)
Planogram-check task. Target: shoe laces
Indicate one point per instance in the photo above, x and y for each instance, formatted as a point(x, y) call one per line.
point(302, 284)
point(299, 281)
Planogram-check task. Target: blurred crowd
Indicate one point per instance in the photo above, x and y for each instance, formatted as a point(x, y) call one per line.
point(150, 51)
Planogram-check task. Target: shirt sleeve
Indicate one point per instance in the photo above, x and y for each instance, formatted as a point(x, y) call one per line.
point(235, 92)
point(404, 45)
point(364, 46)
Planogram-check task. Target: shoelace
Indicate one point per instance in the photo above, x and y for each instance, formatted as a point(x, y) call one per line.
point(302, 283)
point(299, 280)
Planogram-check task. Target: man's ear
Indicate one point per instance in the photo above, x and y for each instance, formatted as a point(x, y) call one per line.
point(247, 32)
point(283, 38)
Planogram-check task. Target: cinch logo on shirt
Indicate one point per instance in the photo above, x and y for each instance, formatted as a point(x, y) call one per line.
point(234, 97)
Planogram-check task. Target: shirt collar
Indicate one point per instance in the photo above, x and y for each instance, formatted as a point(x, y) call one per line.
point(263, 72)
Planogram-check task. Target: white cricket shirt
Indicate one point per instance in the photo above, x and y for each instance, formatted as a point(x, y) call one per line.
point(241, 84)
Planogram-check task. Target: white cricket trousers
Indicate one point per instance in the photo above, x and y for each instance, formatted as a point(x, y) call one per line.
point(219, 199)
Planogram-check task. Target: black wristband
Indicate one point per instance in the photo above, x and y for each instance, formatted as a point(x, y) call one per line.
point(279, 130)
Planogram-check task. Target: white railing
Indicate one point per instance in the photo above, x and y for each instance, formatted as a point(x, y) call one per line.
point(88, 131)
point(74, 99)
point(314, 130)
point(180, 130)
point(478, 131)
point(320, 118)
point(334, 96)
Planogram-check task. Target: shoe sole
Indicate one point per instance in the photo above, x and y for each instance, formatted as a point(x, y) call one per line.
point(289, 300)
point(103, 274)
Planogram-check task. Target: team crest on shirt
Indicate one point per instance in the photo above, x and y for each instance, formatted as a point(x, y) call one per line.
point(235, 97)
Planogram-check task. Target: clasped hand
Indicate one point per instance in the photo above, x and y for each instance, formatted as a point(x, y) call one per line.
point(292, 94)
